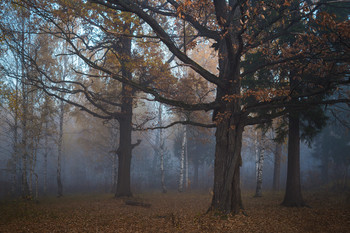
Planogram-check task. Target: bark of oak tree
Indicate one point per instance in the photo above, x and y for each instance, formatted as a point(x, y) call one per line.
point(293, 196)
point(125, 122)
point(227, 191)
point(230, 125)
point(124, 150)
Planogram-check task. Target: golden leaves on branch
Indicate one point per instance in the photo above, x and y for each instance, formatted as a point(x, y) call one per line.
point(261, 94)
point(196, 8)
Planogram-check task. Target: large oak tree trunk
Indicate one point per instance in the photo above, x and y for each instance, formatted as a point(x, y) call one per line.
point(227, 191)
point(125, 149)
point(293, 195)
point(125, 121)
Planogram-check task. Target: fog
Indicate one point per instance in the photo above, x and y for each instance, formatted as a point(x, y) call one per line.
point(87, 162)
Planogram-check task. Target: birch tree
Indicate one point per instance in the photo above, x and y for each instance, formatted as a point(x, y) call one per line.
point(259, 163)
point(161, 149)
point(182, 159)
point(237, 30)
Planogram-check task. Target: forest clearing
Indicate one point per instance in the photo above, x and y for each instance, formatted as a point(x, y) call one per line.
point(174, 212)
point(174, 116)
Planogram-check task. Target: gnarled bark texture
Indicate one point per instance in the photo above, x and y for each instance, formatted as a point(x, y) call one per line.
point(227, 191)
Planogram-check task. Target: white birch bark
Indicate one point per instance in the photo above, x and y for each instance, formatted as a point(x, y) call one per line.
point(256, 155)
point(186, 164)
point(114, 143)
point(260, 163)
point(182, 160)
point(161, 149)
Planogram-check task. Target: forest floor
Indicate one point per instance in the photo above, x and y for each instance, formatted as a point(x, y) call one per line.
point(174, 212)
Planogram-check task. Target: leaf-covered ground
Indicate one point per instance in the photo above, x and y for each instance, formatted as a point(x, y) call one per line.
point(174, 212)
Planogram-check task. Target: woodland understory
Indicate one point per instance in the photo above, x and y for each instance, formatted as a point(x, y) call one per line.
point(174, 212)
point(136, 95)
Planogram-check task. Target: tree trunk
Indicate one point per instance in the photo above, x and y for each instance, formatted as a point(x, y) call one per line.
point(159, 148)
point(162, 172)
point(186, 163)
point(46, 151)
point(15, 140)
point(195, 175)
point(115, 172)
point(59, 154)
point(182, 161)
point(277, 167)
point(31, 164)
point(293, 195)
point(260, 163)
point(227, 191)
point(25, 188)
point(125, 121)
point(124, 154)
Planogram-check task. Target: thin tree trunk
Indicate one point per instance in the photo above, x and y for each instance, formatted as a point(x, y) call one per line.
point(31, 164)
point(260, 163)
point(36, 187)
point(114, 147)
point(25, 188)
point(182, 160)
point(162, 171)
point(256, 143)
point(293, 196)
point(59, 154)
point(195, 176)
point(186, 163)
point(46, 151)
point(15, 140)
point(161, 150)
point(115, 172)
point(277, 167)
